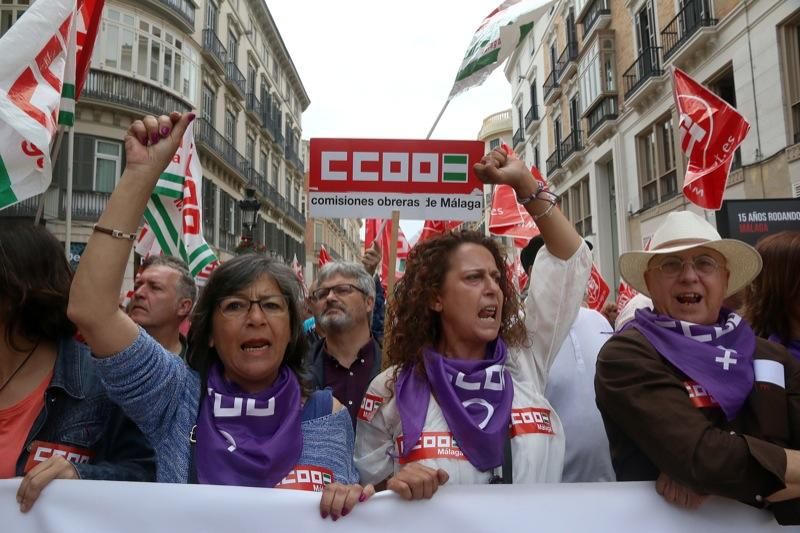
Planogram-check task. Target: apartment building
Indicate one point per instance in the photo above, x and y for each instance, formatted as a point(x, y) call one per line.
point(227, 60)
point(592, 100)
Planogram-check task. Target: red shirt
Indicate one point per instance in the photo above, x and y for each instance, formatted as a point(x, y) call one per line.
point(15, 425)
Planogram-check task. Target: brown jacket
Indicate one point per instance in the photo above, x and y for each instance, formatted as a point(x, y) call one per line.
point(658, 420)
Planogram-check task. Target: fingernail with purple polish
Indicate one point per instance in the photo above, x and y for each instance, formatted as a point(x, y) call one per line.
point(345, 512)
point(192, 116)
point(164, 131)
point(324, 515)
point(154, 138)
point(363, 497)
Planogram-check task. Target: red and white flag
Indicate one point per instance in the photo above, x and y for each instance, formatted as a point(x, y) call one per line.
point(710, 132)
point(517, 275)
point(624, 295)
point(383, 234)
point(597, 291)
point(324, 256)
point(434, 228)
point(509, 219)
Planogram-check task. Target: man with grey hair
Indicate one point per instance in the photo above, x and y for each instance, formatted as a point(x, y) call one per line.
point(163, 296)
point(348, 357)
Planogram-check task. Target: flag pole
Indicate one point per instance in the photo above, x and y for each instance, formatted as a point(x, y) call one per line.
point(393, 252)
point(53, 159)
point(68, 199)
point(436, 122)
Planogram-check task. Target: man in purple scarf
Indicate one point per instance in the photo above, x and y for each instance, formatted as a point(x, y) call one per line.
point(690, 397)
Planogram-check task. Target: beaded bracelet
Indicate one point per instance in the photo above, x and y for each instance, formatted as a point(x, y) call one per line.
point(528, 199)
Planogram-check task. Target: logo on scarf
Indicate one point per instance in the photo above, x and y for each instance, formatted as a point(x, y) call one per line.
point(431, 445)
point(530, 420)
point(686, 328)
point(488, 384)
point(236, 410)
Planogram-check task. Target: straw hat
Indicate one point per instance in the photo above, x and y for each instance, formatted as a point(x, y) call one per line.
point(685, 230)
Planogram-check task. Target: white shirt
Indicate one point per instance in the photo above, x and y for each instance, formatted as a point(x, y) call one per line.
point(570, 391)
point(537, 443)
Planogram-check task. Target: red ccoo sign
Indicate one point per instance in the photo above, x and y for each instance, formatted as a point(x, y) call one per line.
point(373, 177)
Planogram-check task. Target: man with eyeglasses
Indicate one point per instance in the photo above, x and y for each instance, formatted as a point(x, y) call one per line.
point(348, 356)
point(690, 397)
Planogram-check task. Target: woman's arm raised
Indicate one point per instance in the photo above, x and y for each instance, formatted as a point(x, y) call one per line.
point(150, 144)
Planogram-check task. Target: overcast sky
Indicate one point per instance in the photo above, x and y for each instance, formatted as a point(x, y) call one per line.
point(383, 69)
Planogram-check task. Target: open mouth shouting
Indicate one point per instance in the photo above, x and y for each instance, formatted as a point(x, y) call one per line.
point(488, 313)
point(689, 298)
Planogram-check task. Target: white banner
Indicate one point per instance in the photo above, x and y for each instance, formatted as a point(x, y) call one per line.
point(97, 506)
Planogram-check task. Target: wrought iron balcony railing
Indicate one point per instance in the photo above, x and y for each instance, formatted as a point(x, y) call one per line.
point(214, 47)
point(222, 147)
point(235, 78)
point(605, 110)
point(532, 115)
point(694, 14)
point(597, 9)
point(128, 92)
point(646, 66)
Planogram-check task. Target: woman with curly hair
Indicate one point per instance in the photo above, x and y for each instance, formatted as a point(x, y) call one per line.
point(772, 304)
point(463, 399)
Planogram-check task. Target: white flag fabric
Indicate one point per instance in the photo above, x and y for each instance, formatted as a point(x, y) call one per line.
point(174, 214)
point(35, 57)
point(495, 40)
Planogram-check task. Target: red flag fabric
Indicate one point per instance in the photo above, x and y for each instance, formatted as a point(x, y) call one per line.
point(384, 237)
point(624, 295)
point(710, 132)
point(434, 228)
point(516, 274)
point(324, 256)
point(90, 12)
point(509, 219)
point(371, 227)
point(597, 291)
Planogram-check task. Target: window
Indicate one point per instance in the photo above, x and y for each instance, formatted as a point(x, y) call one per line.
point(576, 206)
point(251, 77)
point(531, 42)
point(212, 15)
point(494, 143)
point(208, 109)
point(106, 165)
point(134, 44)
point(263, 162)
point(230, 127)
point(789, 40)
point(273, 178)
point(655, 153)
point(536, 160)
point(318, 232)
point(209, 210)
point(233, 46)
point(250, 150)
point(9, 14)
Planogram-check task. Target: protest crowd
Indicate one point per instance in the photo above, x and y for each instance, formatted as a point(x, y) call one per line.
point(482, 364)
point(474, 381)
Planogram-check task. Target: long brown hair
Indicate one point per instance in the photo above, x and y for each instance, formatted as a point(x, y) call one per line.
point(412, 325)
point(773, 296)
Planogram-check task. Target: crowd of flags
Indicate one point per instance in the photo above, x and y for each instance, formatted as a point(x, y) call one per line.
point(46, 56)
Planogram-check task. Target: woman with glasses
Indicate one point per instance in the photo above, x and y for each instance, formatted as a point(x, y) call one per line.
point(463, 400)
point(242, 414)
point(690, 397)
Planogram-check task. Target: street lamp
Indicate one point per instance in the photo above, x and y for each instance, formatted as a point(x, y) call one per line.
point(249, 206)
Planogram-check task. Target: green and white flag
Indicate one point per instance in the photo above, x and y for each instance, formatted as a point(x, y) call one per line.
point(495, 40)
point(35, 55)
point(174, 214)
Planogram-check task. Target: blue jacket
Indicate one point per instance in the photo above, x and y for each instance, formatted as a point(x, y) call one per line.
point(78, 414)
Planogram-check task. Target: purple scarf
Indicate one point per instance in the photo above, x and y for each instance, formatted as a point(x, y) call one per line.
point(793, 346)
point(718, 357)
point(475, 398)
point(244, 439)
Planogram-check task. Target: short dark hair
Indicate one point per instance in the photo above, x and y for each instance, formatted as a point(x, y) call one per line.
point(186, 286)
point(35, 278)
point(231, 277)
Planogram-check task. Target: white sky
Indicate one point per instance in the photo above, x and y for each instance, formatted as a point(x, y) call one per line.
point(383, 69)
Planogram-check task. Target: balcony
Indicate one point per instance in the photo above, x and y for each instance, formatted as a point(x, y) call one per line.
point(219, 147)
point(552, 90)
point(567, 61)
point(571, 148)
point(691, 29)
point(495, 124)
point(602, 117)
point(532, 117)
point(179, 11)
point(135, 96)
point(553, 164)
point(235, 79)
point(213, 50)
point(86, 205)
point(296, 216)
point(597, 17)
point(294, 159)
point(253, 106)
point(519, 138)
point(25, 209)
point(644, 70)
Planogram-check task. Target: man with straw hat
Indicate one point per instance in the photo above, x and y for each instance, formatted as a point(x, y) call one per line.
point(690, 397)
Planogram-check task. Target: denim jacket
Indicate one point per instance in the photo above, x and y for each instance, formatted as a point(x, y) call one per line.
point(77, 414)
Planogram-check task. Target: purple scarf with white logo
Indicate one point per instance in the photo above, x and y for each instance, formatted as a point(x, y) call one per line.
point(793, 346)
point(475, 398)
point(250, 440)
point(718, 357)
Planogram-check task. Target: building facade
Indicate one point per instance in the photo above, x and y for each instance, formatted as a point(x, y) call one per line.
point(593, 106)
point(341, 236)
point(225, 59)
